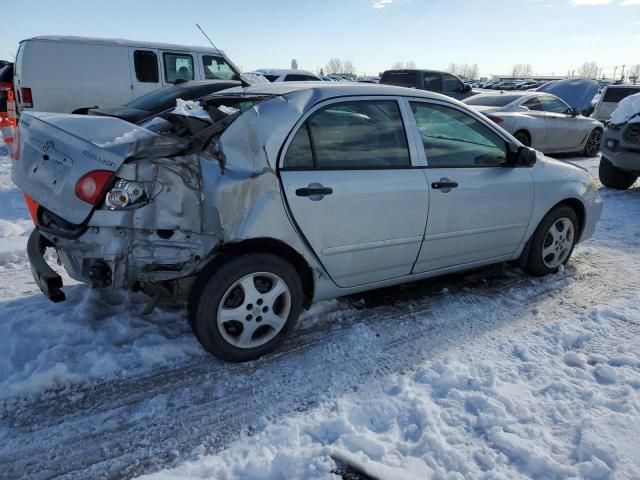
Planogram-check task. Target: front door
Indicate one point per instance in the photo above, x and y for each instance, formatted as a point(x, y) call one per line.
point(479, 208)
point(563, 132)
point(145, 71)
point(352, 191)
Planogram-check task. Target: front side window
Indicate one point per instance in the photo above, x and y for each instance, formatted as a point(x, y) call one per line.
point(432, 82)
point(452, 138)
point(452, 84)
point(178, 67)
point(553, 104)
point(367, 134)
point(216, 68)
point(146, 66)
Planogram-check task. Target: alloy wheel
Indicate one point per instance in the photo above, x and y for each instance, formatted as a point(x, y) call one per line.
point(558, 243)
point(593, 142)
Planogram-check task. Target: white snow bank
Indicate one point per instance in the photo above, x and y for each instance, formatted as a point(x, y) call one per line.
point(627, 108)
point(136, 133)
point(191, 108)
point(562, 401)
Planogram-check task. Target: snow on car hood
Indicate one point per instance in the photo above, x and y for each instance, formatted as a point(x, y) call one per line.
point(628, 111)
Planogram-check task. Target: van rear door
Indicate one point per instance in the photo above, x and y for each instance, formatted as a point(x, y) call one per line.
point(145, 70)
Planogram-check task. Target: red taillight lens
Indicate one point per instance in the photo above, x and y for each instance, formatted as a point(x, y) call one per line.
point(495, 119)
point(92, 186)
point(27, 99)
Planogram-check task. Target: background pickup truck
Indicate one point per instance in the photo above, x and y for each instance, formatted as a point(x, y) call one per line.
point(431, 80)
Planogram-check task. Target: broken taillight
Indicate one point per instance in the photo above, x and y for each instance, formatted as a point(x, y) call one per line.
point(92, 186)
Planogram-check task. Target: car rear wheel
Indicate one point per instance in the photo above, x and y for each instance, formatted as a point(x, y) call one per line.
point(244, 308)
point(592, 147)
point(614, 177)
point(523, 137)
point(552, 242)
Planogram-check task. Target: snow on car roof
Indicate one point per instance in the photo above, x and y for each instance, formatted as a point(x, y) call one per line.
point(282, 71)
point(122, 42)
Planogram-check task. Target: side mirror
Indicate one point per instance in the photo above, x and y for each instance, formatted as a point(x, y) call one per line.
point(521, 156)
point(574, 112)
point(467, 88)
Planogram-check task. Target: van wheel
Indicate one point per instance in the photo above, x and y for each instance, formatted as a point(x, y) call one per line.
point(553, 242)
point(523, 137)
point(244, 308)
point(614, 177)
point(592, 147)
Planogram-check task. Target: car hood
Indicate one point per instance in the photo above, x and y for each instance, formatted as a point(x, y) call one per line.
point(577, 92)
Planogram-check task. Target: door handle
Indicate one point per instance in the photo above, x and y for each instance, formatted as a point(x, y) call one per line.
point(444, 185)
point(315, 191)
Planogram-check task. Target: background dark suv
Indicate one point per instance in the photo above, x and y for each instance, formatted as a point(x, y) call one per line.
point(431, 80)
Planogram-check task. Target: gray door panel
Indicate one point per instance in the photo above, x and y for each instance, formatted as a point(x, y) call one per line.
point(369, 228)
point(486, 216)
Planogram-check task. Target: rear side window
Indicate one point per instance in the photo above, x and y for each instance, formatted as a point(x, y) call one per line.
point(400, 79)
point(146, 66)
point(299, 153)
point(178, 67)
point(553, 104)
point(432, 82)
point(533, 104)
point(617, 94)
point(216, 68)
point(366, 134)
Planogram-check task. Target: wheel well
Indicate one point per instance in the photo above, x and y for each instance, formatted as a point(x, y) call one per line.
point(282, 250)
point(577, 206)
point(526, 132)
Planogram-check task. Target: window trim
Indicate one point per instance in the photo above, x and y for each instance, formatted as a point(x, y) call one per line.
point(135, 66)
point(337, 100)
point(477, 116)
point(164, 65)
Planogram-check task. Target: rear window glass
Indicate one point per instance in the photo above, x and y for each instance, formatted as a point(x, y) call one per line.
point(165, 96)
point(400, 79)
point(491, 100)
point(617, 94)
point(299, 78)
point(6, 73)
point(146, 65)
point(216, 68)
point(271, 78)
point(178, 66)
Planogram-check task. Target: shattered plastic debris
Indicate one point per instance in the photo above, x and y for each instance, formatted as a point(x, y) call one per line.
point(228, 110)
point(190, 108)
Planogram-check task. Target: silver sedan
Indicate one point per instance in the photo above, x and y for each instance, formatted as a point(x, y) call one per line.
point(541, 121)
point(280, 195)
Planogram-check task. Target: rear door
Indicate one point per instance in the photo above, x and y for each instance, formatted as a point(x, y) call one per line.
point(563, 129)
point(538, 125)
point(353, 192)
point(145, 71)
point(479, 209)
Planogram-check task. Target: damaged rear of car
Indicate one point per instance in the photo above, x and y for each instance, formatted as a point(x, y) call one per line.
point(148, 209)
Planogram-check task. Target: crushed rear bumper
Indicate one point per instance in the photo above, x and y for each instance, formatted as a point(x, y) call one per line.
point(46, 278)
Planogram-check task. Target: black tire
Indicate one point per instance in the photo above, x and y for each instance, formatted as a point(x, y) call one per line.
point(614, 177)
point(210, 289)
point(523, 137)
point(533, 263)
point(592, 147)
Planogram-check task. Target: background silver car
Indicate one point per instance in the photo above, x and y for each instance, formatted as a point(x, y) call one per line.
point(541, 120)
point(295, 193)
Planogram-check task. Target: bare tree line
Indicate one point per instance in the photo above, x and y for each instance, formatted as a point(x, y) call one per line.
point(337, 66)
point(465, 70)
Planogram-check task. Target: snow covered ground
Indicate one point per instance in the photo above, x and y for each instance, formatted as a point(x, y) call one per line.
point(488, 374)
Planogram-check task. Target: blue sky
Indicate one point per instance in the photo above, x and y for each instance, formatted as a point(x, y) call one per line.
point(554, 36)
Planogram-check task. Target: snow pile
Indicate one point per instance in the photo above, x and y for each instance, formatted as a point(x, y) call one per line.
point(628, 110)
point(559, 402)
point(136, 133)
point(92, 335)
point(15, 224)
point(191, 108)
point(255, 78)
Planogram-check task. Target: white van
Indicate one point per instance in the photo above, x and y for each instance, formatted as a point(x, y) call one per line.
point(73, 74)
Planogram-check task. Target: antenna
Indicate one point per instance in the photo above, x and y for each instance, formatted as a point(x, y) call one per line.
point(243, 82)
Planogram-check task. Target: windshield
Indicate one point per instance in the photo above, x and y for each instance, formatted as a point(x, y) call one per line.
point(158, 98)
point(492, 100)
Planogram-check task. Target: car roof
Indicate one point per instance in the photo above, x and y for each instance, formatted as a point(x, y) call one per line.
point(324, 90)
point(282, 71)
point(122, 42)
point(512, 93)
point(413, 70)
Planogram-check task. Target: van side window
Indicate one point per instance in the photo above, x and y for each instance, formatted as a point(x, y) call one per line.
point(216, 68)
point(178, 67)
point(146, 65)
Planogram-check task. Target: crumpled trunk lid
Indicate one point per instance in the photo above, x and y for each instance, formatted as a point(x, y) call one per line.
point(56, 150)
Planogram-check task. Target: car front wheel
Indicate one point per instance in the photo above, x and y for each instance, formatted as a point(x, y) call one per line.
point(552, 242)
point(592, 147)
point(613, 177)
point(244, 308)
